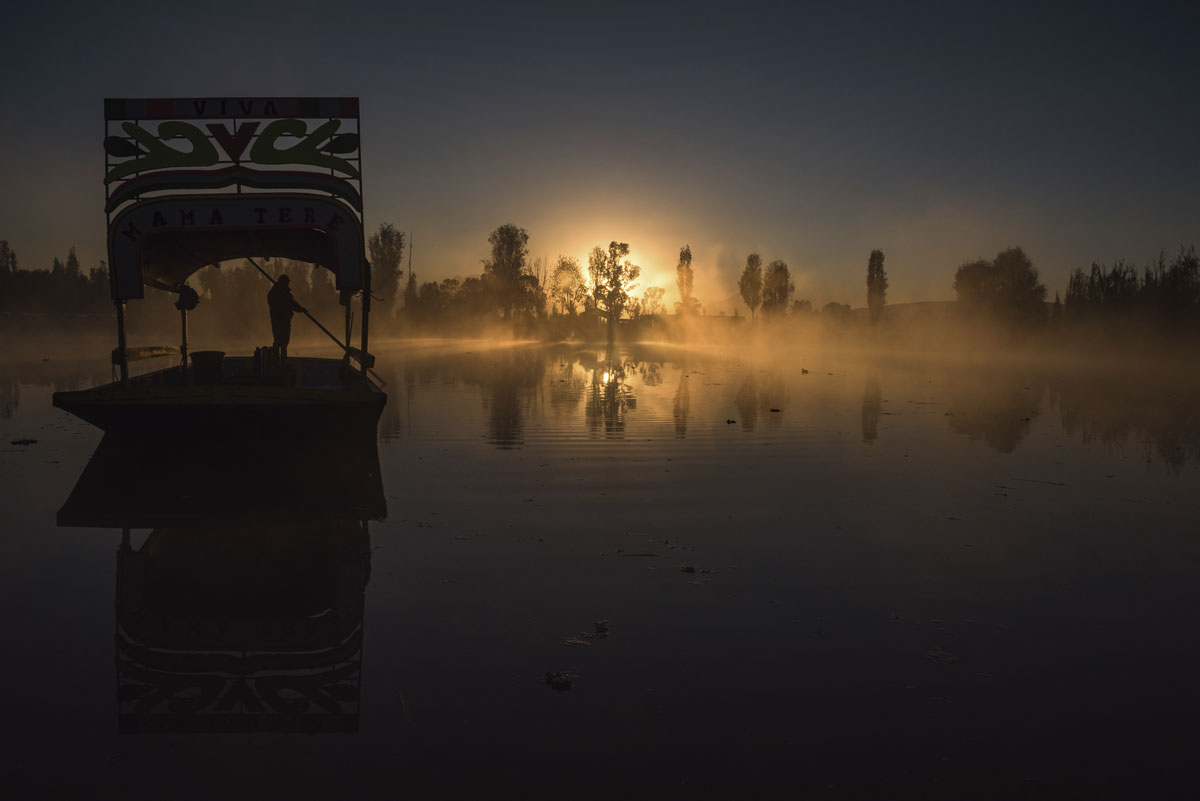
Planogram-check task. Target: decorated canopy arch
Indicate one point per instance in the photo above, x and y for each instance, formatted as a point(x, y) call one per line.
point(195, 181)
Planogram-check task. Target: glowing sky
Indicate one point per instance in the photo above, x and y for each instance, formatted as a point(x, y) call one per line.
point(939, 133)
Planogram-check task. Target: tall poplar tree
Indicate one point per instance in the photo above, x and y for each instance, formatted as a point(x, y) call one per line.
point(877, 285)
point(751, 283)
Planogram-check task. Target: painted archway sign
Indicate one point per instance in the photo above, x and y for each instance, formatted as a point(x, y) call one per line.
point(162, 241)
point(288, 171)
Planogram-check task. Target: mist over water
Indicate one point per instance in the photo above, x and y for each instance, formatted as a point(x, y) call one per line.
point(844, 566)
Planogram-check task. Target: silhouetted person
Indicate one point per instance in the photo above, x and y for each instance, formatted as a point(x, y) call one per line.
point(282, 306)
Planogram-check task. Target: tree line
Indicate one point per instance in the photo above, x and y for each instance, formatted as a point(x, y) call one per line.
point(1007, 292)
point(565, 297)
point(536, 297)
point(771, 288)
point(62, 288)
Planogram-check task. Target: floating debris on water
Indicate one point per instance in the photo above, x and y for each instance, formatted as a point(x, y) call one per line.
point(584, 638)
point(940, 656)
point(559, 680)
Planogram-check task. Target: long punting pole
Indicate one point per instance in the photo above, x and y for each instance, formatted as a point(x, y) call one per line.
point(183, 344)
point(366, 312)
point(121, 342)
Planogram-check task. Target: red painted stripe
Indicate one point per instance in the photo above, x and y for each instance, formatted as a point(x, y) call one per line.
point(159, 109)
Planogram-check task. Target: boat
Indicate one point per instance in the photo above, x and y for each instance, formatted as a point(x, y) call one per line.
point(253, 179)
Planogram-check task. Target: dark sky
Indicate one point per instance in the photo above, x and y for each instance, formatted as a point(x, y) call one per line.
point(937, 132)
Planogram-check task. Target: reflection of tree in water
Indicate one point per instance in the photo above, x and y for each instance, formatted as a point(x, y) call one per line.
point(610, 398)
point(755, 397)
point(772, 394)
point(997, 408)
point(651, 373)
point(1162, 413)
point(58, 376)
point(390, 426)
point(682, 405)
point(568, 382)
point(871, 409)
point(509, 380)
point(747, 403)
point(10, 398)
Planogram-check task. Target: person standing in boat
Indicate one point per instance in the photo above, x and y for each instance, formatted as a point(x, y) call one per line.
point(282, 306)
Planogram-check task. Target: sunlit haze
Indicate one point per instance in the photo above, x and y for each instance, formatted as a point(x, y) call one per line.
point(599, 400)
point(938, 133)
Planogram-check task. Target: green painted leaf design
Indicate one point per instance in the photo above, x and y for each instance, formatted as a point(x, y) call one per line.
point(342, 143)
point(121, 147)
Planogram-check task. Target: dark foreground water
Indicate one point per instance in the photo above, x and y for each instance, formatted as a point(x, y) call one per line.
point(820, 575)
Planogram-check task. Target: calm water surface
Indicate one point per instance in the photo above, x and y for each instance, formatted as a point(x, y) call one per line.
point(826, 572)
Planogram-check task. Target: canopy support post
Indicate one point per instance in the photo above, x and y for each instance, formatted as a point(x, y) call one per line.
point(366, 314)
point(183, 343)
point(121, 342)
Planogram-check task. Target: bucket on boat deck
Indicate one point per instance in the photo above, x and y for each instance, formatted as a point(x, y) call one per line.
point(266, 361)
point(206, 366)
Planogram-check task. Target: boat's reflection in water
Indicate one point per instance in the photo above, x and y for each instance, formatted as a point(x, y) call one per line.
point(243, 608)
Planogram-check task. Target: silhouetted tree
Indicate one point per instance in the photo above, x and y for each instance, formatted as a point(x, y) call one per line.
point(411, 293)
point(505, 267)
point(1173, 290)
point(1103, 290)
point(62, 289)
point(837, 313)
point(1166, 295)
point(1007, 288)
point(777, 288)
point(751, 283)
point(683, 278)
point(613, 276)
point(8, 258)
point(877, 285)
point(385, 248)
point(72, 266)
point(535, 288)
point(568, 290)
point(98, 280)
point(802, 306)
point(652, 300)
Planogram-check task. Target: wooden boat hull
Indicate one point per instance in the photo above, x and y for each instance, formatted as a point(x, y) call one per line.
point(154, 405)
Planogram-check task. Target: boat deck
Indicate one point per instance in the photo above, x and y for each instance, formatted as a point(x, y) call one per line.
point(308, 395)
point(239, 371)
